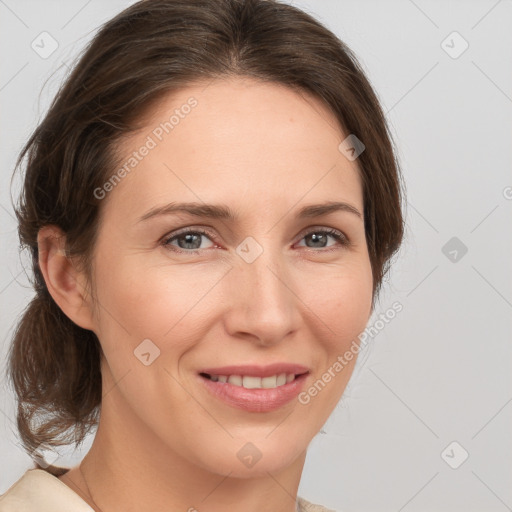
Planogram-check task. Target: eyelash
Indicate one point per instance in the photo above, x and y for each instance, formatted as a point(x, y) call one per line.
point(342, 240)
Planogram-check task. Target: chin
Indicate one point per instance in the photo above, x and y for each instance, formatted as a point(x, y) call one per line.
point(253, 459)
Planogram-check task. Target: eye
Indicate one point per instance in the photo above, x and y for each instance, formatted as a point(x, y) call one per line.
point(319, 237)
point(188, 240)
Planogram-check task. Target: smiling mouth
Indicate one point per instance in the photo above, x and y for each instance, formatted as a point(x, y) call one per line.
point(254, 382)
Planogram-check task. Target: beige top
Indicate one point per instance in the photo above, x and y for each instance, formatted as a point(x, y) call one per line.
point(40, 491)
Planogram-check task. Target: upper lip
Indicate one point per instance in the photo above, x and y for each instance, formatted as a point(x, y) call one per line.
point(256, 370)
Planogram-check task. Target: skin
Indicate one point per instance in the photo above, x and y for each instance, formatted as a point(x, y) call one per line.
point(163, 443)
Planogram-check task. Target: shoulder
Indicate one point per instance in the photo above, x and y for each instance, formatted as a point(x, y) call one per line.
point(306, 506)
point(41, 491)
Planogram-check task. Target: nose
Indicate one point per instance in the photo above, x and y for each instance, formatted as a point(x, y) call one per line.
point(263, 306)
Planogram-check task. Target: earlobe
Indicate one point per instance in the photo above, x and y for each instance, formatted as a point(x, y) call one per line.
point(64, 282)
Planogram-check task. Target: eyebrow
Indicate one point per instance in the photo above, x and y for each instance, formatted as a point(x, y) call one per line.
point(217, 211)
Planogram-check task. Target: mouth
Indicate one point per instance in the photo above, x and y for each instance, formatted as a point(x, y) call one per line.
point(253, 388)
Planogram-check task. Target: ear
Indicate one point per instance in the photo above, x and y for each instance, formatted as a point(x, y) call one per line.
point(65, 283)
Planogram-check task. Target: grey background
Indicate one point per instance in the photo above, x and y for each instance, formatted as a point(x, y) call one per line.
point(440, 371)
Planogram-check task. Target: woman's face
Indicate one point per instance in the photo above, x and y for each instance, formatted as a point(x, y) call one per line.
point(181, 293)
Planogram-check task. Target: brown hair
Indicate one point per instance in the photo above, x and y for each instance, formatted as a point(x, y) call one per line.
point(150, 49)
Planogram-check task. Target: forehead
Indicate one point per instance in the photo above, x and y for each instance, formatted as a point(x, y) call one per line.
point(237, 141)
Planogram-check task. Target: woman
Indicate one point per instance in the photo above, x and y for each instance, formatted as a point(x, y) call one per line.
point(211, 204)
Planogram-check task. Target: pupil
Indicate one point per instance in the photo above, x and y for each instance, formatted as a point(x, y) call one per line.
point(317, 238)
point(188, 238)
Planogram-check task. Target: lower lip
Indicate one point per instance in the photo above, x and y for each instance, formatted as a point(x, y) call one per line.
point(255, 400)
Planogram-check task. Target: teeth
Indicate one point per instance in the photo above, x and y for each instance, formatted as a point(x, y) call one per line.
point(268, 382)
point(250, 382)
point(236, 380)
point(281, 379)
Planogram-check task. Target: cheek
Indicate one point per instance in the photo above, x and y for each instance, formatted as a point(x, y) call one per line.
point(157, 302)
point(341, 307)
point(341, 299)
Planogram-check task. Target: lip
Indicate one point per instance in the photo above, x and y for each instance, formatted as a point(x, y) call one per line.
point(254, 400)
point(256, 370)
